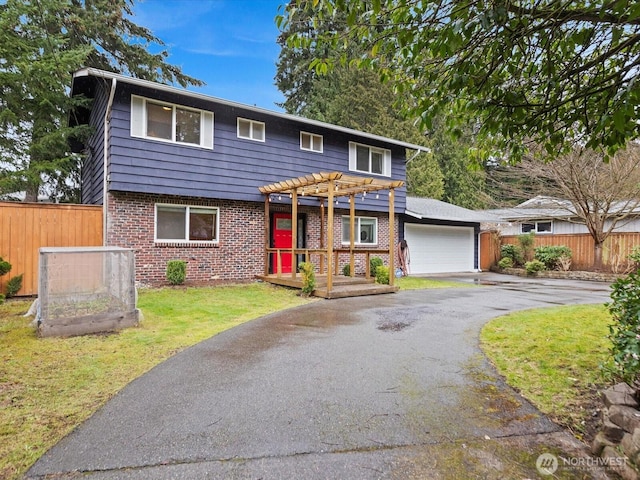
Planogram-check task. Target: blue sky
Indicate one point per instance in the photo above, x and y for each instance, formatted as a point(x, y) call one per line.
point(229, 44)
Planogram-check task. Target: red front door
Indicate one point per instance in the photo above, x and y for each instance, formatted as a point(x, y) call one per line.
point(282, 237)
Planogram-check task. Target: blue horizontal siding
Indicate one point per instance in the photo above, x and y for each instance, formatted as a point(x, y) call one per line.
point(235, 168)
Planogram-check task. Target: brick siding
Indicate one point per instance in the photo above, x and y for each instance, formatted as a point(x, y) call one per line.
point(239, 254)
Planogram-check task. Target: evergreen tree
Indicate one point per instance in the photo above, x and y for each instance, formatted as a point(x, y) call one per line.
point(42, 42)
point(355, 99)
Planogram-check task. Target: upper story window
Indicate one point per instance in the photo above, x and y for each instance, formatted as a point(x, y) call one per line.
point(184, 223)
point(367, 159)
point(250, 129)
point(171, 123)
point(537, 227)
point(311, 142)
point(366, 230)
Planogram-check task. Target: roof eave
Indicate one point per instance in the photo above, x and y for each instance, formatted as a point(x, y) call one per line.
point(89, 71)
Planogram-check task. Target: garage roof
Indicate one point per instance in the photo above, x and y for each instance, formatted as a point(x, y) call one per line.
point(424, 208)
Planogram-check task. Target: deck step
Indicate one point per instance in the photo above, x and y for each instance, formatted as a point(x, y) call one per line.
point(343, 291)
point(342, 286)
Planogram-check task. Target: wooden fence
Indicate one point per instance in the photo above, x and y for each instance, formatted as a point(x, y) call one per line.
point(615, 251)
point(25, 227)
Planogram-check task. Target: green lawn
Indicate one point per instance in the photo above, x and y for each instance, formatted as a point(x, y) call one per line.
point(49, 386)
point(553, 357)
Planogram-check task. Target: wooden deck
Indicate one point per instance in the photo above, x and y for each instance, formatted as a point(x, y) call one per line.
point(342, 286)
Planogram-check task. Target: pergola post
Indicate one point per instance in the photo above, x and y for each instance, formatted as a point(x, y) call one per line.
point(267, 235)
point(330, 188)
point(294, 232)
point(322, 259)
point(392, 237)
point(352, 228)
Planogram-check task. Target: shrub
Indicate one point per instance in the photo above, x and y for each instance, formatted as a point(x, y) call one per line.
point(374, 263)
point(505, 262)
point(624, 332)
point(514, 252)
point(382, 275)
point(308, 271)
point(346, 270)
point(534, 266)
point(526, 241)
point(176, 271)
point(5, 267)
point(14, 285)
point(550, 255)
point(634, 257)
point(564, 263)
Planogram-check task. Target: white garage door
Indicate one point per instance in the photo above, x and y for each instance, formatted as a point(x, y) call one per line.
point(439, 249)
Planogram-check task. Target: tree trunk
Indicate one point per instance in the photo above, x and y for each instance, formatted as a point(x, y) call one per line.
point(31, 193)
point(597, 257)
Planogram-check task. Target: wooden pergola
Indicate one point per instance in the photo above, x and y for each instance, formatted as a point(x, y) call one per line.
point(328, 186)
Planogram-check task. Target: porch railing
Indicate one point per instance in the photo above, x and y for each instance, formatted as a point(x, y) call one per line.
point(320, 255)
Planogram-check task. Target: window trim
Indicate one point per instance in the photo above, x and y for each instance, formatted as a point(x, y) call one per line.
point(312, 138)
point(535, 229)
point(386, 159)
point(251, 125)
point(357, 240)
point(139, 122)
point(187, 209)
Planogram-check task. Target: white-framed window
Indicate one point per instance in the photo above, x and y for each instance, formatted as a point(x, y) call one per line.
point(367, 159)
point(311, 142)
point(186, 223)
point(366, 230)
point(545, 226)
point(250, 129)
point(169, 122)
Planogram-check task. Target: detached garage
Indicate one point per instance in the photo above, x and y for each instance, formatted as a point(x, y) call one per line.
point(442, 238)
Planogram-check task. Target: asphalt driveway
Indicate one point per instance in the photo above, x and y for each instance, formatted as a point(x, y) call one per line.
point(388, 386)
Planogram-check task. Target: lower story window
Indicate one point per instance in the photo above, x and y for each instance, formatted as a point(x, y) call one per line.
point(183, 223)
point(536, 227)
point(366, 230)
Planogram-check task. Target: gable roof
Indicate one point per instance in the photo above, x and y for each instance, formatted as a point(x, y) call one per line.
point(543, 207)
point(429, 208)
point(94, 72)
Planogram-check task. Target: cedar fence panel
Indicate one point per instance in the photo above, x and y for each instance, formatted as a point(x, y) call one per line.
point(489, 249)
point(614, 253)
point(25, 227)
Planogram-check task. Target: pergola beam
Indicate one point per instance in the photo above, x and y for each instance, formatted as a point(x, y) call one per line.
point(317, 185)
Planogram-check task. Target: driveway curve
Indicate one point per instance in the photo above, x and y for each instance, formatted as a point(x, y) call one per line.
point(389, 386)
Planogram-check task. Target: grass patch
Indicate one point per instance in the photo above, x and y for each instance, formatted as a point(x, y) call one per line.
point(552, 356)
point(415, 283)
point(48, 386)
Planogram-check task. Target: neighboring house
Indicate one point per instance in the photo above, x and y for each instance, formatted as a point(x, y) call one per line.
point(178, 174)
point(442, 237)
point(551, 216)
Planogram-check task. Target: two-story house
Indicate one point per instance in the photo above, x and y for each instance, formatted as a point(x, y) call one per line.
point(182, 175)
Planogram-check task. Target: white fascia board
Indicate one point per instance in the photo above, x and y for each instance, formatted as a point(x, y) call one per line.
point(413, 214)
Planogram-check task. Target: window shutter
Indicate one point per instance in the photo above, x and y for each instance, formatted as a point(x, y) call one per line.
point(206, 133)
point(352, 156)
point(386, 168)
point(137, 116)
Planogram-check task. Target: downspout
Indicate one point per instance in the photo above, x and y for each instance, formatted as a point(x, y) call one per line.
point(418, 152)
point(105, 150)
